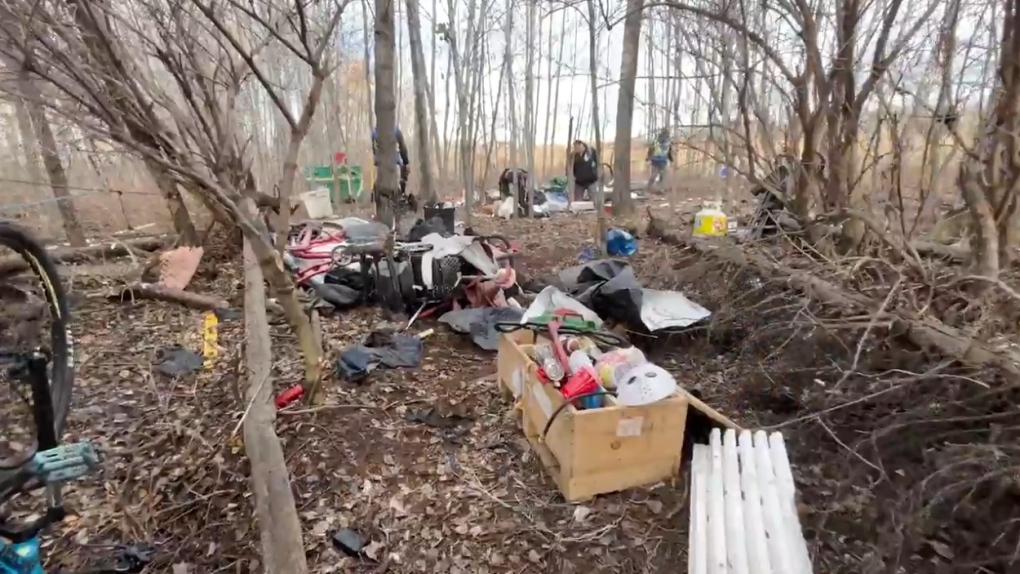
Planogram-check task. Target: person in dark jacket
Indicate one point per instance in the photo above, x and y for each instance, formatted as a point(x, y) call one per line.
point(586, 170)
point(403, 158)
point(507, 183)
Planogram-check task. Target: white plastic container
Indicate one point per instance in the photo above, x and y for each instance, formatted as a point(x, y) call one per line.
point(318, 204)
point(710, 221)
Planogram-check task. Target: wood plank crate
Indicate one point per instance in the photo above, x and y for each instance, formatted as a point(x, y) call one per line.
point(513, 364)
point(591, 452)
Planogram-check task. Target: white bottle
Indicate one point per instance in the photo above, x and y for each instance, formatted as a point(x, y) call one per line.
point(578, 361)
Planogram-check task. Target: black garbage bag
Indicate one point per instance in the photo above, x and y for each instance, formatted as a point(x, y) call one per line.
point(608, 287)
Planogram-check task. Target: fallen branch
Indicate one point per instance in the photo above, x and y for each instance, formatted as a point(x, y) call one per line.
point(14, 264)
point(926, 332)
point(154, 292)
point(931, 249)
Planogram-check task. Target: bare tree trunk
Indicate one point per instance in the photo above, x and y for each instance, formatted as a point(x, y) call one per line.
point(29, 143)
point(446, 117)
point(439, 151)
point(622, 203)
point(43, 134)
point(600, 193)
point(508, 56)
point(369, 101)
point(529, 103)
point(428, 183)
point(388, 184)
point(556, 97)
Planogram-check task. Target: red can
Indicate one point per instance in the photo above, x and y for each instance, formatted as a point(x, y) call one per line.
point(289, 396)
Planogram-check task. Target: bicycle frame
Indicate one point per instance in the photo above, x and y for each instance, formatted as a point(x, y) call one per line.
point(21, 558)
point(21, 555)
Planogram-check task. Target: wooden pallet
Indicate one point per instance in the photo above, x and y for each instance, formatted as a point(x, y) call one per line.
point(743, 511)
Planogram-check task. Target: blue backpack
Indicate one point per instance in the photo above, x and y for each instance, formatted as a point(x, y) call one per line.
point(660, 152)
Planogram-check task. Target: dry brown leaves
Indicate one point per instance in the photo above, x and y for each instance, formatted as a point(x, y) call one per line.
point(471, 498)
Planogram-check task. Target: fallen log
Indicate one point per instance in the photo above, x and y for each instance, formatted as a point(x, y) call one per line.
point(282, 544)
point(925, 332)
point(155, 292)
point(14, 264)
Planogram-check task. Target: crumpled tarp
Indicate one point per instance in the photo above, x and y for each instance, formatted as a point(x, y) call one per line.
point(391, 350)
point(480, 323)
point(609, 288)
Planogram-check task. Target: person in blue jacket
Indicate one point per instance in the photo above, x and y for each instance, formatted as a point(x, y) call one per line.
point(403, 158)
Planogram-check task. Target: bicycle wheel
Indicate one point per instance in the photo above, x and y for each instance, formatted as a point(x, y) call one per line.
point(61, 354)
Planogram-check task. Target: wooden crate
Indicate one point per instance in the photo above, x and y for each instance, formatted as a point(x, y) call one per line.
point(613, 448)
point(513, 364)
point(590, 452)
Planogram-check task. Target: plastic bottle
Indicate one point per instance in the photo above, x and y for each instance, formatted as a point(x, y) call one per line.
point(710, 221)
point(545, 357)
point(580, 360)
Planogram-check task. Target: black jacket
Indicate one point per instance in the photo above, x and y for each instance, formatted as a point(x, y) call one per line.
point(586, 167)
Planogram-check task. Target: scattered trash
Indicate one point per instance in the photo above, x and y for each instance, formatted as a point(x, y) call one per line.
point(551, 299)
point(589, 253)
point(210, 335)
point(608, 288)
point(506, 208)
point(349, 542)
point(434, 419)
point(289, 396)
point(178, 361)
point(710, 221)
point(480, 323)
point(228, 314)
point(620, 243)
point(381, 347)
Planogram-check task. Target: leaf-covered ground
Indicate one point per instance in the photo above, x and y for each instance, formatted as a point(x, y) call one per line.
point(465, 495)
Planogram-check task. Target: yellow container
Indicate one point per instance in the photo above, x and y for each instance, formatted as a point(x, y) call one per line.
point(710, 221)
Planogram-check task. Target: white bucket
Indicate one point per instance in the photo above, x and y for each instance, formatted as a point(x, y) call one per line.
point(318, 203)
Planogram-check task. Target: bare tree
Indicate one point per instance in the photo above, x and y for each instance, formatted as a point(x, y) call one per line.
point(388, 182)
point(600, 192)
point(622, 203)
point(163, 81)
point(989, 179)
point(42, 134)
point(421, 103)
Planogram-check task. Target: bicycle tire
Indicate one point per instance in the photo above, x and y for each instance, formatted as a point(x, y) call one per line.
point(62, 347)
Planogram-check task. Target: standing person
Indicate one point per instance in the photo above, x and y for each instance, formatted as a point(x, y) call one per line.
point(660, 155)
point(507, 183)
point(403, 161)
point(586, 171)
